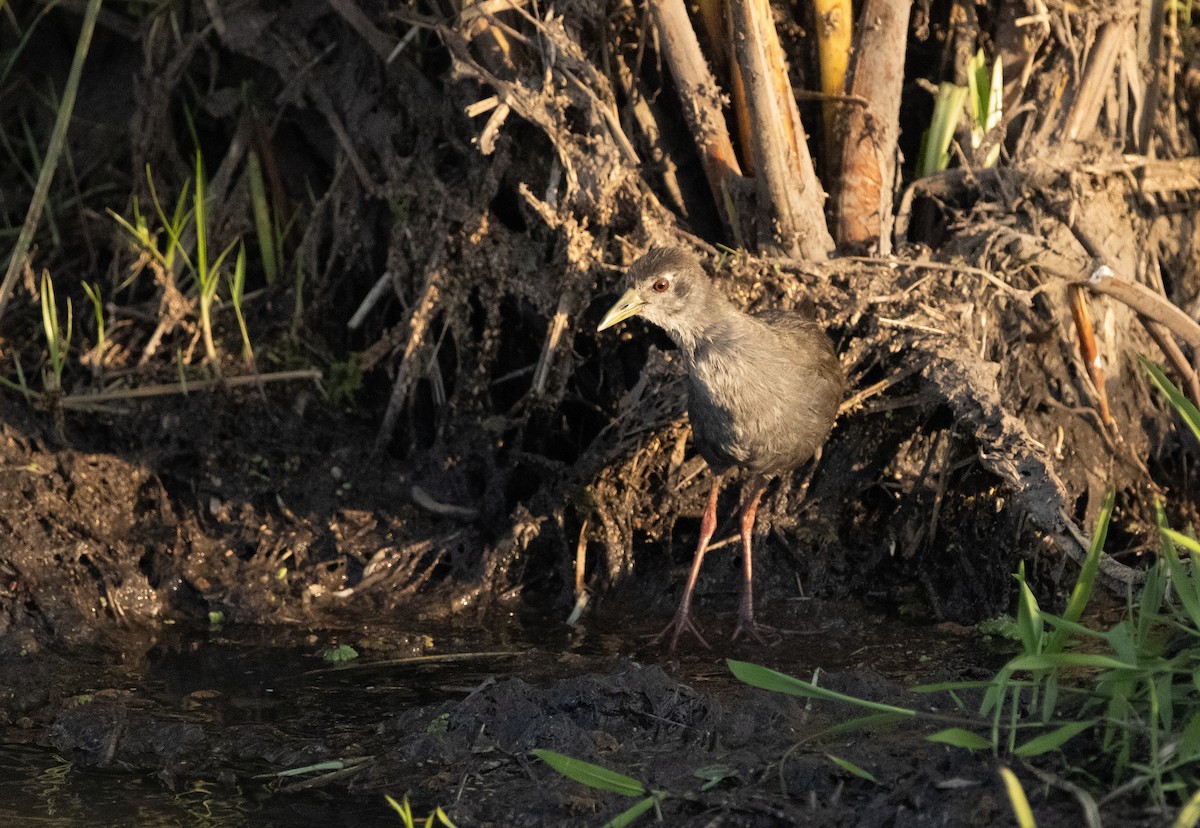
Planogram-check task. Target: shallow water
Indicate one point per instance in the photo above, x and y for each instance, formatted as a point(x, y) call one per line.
point(277, 678)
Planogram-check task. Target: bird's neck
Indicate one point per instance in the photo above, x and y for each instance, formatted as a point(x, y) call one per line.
point(715, 322)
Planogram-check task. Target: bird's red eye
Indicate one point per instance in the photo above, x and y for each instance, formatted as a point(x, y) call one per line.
point(661, 284)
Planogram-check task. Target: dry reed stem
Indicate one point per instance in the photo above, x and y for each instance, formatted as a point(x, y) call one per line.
point(699, 94)
point(791, 218)
point(1088, 349)
point(835, 26)
point(868, 161)
point(85, 401)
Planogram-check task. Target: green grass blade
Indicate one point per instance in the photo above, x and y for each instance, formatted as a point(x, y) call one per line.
point(850, 767)
point(594, 776)
point(951, 686)
point(1187, 410)
point(58, 138)
point(403, 809)
point(264, 226)
point(758, 676)
point(1183, 582)
point(628, 816)
point(1054, 739)
point(1054, 661)
point(947, 109)
point(958, 737)
point(1030, 625)
point(1189, 814)
point(871, 722)
point(203, 275)
point(1082, 593)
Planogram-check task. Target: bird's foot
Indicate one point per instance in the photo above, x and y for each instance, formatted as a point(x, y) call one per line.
point(679, 624)
point(763, 634)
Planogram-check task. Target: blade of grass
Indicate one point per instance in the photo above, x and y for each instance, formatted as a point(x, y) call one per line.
point(960, 737)
point(627, 817)
point(594, 776)
point(264, 225)
point(758, 676)
point(1018, 800)
point(935, 143)
point(54, 150)
point(1187, 410)
point(1053, 740)
point(850, 767)
point(1189, 814)
point(1084, 585)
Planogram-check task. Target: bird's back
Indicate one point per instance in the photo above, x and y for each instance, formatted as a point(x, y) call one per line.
point(764, 392)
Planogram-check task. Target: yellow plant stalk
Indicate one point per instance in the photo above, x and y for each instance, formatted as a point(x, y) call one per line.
point(835, 24)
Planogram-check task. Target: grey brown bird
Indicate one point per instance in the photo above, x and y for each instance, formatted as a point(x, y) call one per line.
point(763, 392)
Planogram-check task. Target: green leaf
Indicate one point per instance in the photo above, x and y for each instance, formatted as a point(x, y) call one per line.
point(319, 767)
point(947, 108)
point(958, 737)
point(1184, 582)
point(1029, 616)
point(1183, 540)
point(591, 775)
point(1082, 592)
point(1057, 660)
point(850, 767)
point(1187, 411)
point(403, 809)
point(951, 686)
point(628, 816)
point(340, 654)
point(758, 676)
point(714, 775)
point(872, 722)
point(1189, 742)
point(1054, 739)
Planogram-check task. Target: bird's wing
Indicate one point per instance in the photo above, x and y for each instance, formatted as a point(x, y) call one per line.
point(787, 319)
point(810, 335)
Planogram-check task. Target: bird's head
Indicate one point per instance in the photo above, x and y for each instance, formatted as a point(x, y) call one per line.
point(667, 286)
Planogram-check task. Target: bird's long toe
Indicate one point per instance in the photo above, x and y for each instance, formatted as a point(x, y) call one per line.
point(682, 622)
point(763, 634)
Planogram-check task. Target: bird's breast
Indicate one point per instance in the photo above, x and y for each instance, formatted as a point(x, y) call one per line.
point(764, 410)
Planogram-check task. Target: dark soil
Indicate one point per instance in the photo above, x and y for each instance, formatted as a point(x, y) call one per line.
point(150, 522)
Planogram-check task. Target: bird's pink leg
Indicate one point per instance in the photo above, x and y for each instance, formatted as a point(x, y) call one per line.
point(683, 615)
point(746, 623)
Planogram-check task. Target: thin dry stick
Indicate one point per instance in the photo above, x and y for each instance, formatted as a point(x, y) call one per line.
point(1088, 349)
point(86, 400)
point(855, 402)
point(1153, 306)
point(554, 335)
point(1098, 277)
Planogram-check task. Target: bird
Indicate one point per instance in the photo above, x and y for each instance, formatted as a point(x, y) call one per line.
point(763, 393)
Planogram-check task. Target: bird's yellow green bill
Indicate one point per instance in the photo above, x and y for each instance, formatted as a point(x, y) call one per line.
point(630, 304)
